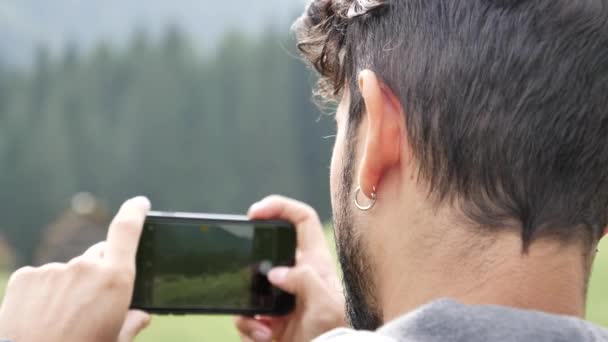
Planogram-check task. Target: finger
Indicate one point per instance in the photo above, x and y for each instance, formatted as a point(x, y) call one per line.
point(124, 233)
point(95, 252)
point(21, 276)
point(135, 322)
point(301, 281)
point(251, 329)
point(309, 229)
point(244, 338)
point(52, 267)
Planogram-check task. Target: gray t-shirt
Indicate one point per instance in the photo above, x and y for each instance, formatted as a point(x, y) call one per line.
point(446, 320)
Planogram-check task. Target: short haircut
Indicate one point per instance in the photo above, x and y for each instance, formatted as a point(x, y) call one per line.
point(505, 101)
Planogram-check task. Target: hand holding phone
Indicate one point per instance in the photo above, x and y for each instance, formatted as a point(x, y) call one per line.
point(313, 280)
point(206, 263)
point(94, 290)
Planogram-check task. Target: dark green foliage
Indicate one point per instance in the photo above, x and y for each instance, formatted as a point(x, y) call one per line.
point(211, 132)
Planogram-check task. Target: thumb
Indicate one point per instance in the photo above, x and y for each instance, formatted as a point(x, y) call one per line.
point(135, 322)
point(299, 280)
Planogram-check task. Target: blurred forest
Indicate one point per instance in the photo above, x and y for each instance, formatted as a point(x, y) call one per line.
point(207, 132)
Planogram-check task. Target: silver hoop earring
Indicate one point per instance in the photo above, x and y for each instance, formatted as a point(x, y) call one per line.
point(371, 203)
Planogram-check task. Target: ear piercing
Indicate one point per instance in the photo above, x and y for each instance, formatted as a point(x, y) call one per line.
point(372, 199)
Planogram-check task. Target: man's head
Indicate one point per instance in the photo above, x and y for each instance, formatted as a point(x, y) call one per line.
point(489, 115)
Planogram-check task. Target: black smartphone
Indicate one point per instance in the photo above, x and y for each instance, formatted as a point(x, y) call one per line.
point(205, 263)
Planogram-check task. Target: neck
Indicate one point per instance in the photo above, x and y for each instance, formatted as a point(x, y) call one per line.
point(551, 277)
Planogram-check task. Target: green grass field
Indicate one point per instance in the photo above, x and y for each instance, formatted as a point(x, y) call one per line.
point(597, 299)
point(218, 328)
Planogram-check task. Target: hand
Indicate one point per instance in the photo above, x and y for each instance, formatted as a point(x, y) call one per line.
point(86, 299)
point(313, 280)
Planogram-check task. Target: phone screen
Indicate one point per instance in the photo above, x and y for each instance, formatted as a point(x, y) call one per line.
point(211, 265)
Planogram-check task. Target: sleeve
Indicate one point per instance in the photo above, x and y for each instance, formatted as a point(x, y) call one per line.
point(349, 335)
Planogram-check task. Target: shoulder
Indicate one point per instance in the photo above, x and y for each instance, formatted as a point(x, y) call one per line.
point(598, 333)
point(349, 335)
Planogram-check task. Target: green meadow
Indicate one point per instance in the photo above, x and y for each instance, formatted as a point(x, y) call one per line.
point(220, 328)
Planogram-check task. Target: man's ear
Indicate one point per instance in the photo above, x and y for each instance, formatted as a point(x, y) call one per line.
point(385, 131)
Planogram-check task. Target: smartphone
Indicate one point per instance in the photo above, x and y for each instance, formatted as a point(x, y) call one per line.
point(205, 263)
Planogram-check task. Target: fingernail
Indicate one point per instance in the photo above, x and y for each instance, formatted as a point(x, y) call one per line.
point(277, 275)
point(143, 201)
point(256, 206)
point(261, 335)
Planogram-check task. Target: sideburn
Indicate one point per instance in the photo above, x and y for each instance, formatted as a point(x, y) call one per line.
point(361, 304)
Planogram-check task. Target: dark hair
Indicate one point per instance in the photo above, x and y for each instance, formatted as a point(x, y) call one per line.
point(506, 101)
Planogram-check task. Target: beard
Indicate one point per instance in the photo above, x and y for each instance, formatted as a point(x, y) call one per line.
point(362, 312)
